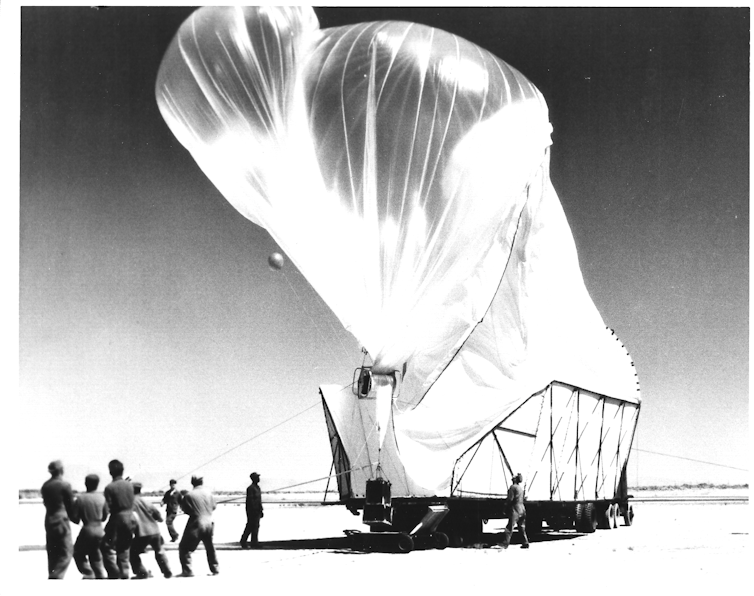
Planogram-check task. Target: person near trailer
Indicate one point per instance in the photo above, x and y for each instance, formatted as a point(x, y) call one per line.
point(119, 531)
point(254, 512)
point(517, 515)
point(171, 500)
point(199, 504)
point(91, 511)
point(147, 533)
point(57, 497)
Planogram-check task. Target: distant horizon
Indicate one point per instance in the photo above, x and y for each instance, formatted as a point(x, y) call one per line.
point(157, 493)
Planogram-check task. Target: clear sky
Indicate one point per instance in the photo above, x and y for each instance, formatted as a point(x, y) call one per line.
point(152, 330)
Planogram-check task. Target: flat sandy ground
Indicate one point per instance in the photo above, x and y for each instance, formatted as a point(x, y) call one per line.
point(672, 548)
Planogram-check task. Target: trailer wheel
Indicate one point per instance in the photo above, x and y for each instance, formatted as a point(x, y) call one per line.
point(440, 540)
point(586, 518)
point(603, 517)
point(405, 543)
point(628, 515)
point(456, 540)
point(607, 517)
point(614, 513)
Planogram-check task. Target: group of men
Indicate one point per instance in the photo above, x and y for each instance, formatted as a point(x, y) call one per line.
point(113, 550)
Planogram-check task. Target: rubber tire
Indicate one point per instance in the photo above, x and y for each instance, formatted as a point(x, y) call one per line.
point(628, 516)
point(405, 543)
point(586, 518)
point(440, 540)
point(614, 513)
point(603, 517)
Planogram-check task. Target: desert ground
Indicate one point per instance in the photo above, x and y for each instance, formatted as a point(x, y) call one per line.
point(673, 547)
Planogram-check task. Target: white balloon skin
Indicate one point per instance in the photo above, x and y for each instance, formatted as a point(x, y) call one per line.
point(418, 162)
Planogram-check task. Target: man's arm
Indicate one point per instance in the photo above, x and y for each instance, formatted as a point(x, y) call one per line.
point(68, 501)
point(156, 514)
point(75, 514)
point(187, 505)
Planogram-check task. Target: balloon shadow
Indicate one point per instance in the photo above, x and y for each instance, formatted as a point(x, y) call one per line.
point(334, 543)
point(346, 544)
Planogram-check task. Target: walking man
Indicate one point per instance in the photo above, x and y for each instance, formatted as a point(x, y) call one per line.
point(147, 533)
point(199, 505)
point(171, 500)
point(57, 497)
point(91, 511)
point(254, 512)
point(119, 495)
point(517, 512)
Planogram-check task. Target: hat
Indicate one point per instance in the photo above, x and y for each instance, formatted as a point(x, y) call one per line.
point(196, 480)
point(172, 481)
point(137, 486)
point(254, 475)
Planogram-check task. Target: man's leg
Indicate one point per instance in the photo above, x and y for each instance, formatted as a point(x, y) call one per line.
point(509, 529)
point(522, 529)
point(123, 539)
point(160, 555)
point(209, 546)
point(110, 561)
point(254, 521)
point(188, 544)
point(95, 559)
point(81, 555)
point(246, 531)
point(108, 550)
point(169, 522)
point(59, 549)
point(138, 546)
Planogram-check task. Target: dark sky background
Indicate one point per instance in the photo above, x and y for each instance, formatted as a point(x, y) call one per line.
point(152, 330)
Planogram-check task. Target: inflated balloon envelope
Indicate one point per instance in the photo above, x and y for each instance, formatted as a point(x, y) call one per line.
point(404, 171)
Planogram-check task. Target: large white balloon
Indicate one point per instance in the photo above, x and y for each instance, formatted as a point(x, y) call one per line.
point(401, 151)
point(418, 162)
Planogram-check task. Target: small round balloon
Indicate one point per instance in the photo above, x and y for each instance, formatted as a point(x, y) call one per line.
point(276, 261)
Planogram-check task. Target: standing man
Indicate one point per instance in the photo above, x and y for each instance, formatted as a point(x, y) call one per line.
point(171, 499)
point(199, 505)
point(517, 512)
point(91, 510)
point(147, 533)
point(119, 530)
point(57, 497)
point(254, 513)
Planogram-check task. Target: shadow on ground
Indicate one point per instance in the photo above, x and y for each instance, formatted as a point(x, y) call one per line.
point(347, 543)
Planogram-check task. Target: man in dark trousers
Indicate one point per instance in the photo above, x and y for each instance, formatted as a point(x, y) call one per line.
point(147, 533)
point(57, 497)
point(91, 511)
point(119, 530)
point(199, 505)
point(254, 512)
point(171, 500)
point(517, 512)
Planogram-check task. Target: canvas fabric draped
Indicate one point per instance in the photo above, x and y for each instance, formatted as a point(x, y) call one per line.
point(404, 171)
